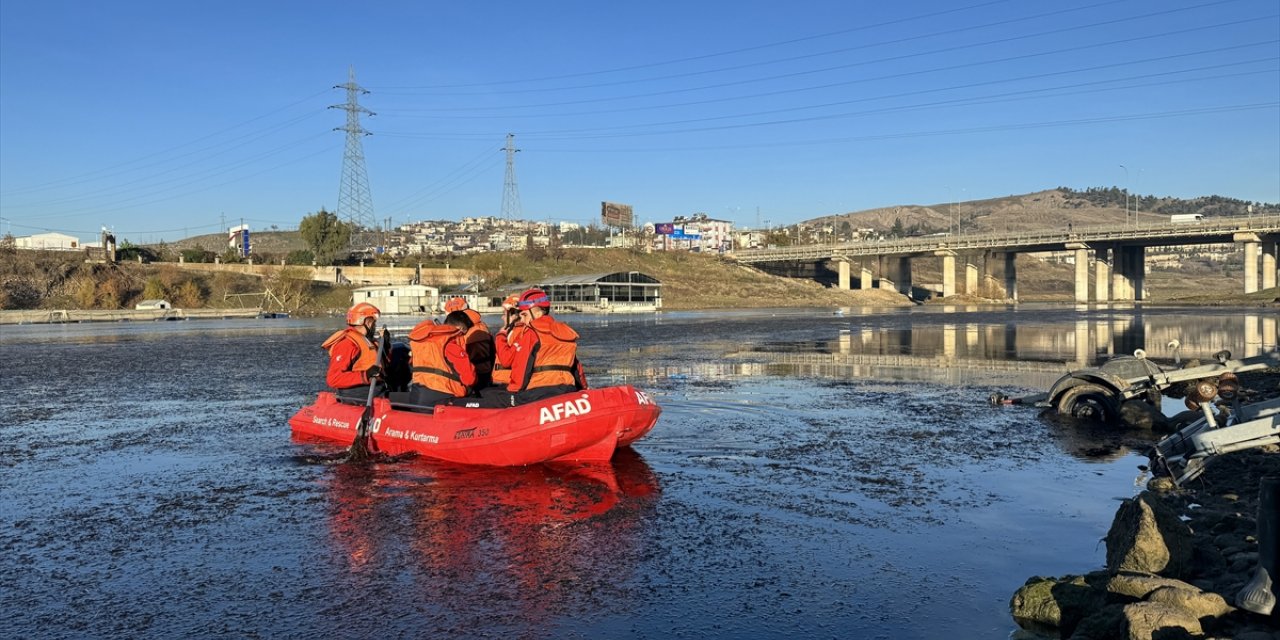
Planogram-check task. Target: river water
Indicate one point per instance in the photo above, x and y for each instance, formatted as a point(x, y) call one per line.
point(814, 474)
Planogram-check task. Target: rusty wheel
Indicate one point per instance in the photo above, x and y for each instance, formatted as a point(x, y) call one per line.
point(1088, 402)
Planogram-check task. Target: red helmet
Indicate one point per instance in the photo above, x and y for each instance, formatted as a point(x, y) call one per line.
point(455, 304)
point(357, 314)
point(511, 302)
point(534, 298)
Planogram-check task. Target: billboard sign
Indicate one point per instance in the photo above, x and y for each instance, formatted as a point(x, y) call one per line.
point(613, 214)
point(681, 235)
point(664, 228)
point(239, 240)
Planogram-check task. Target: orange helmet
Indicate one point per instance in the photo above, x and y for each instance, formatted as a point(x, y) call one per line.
point(511, 302)
point(534, 298)
point(455, 304)
point(357, 314)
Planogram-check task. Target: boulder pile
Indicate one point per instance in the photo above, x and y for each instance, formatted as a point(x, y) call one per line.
point(1176, 561)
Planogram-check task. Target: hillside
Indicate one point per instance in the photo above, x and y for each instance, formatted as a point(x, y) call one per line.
point(1051, 209)
point(264, 242)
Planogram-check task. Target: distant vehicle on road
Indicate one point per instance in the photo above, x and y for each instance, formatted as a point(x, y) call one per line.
point(1186, 218)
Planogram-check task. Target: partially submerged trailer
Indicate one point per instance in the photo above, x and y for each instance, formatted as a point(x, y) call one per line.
point(1182, 456)
point(1099, 393)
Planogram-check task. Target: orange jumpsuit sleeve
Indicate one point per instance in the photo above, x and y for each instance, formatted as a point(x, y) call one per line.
point(503, 351)
point(456, 354)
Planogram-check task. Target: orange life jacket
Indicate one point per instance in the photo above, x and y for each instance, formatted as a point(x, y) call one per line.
point(501, 374)
point(429, 366)
point(554, 358)
point(368, 351)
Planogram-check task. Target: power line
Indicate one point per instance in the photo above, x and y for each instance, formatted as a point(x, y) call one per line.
point(873, 45)
point(875, 61)
point(770, 45)
point(118, 168)
point(629, 130)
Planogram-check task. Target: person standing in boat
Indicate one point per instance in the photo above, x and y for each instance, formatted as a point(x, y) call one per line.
point(353, 355)
point(441, 369)
point(479, 341)
point(544, 356)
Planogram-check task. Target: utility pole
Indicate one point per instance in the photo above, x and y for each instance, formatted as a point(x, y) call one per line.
point(511, 192)
point(1126, 193)
point(355, 203)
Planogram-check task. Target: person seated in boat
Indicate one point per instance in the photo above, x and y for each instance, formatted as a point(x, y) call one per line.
point(353, 355)
point(441, 369)
point(543, 356)
point(479, 341)
point(511, 328)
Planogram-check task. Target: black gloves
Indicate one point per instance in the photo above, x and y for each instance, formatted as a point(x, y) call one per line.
point(373, 372)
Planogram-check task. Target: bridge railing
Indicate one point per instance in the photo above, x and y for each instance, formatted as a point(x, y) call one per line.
point(1021, 239)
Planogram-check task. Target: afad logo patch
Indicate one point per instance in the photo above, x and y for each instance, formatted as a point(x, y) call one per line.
point(581, 406)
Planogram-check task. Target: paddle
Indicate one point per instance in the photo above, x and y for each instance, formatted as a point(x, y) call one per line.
point(359, 451)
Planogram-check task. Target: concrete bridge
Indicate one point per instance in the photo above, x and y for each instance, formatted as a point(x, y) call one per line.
point(1115, 254)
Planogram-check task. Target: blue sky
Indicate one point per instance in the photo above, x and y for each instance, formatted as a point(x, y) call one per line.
point(165, 119)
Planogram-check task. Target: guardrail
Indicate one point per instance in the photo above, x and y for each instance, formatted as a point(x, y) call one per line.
point(1217, 231)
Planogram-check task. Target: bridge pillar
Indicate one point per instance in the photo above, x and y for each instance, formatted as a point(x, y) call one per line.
point(1082, 270)
point(904, 276)
point(1101, 275)
point(949, 341)
point(971, 276)
point(888, 273)
point(1269, 256)
point(1250, 242)
point(1011, 276)
point(948, 271)
point(843, 281)
point(1129, 272)
point(990, 284)
point(864, 280)
point(1138, 271)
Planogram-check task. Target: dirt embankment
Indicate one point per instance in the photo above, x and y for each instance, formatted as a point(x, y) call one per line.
point(54, 280)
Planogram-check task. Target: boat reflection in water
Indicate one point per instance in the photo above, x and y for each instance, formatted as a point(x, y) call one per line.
point(489, 547)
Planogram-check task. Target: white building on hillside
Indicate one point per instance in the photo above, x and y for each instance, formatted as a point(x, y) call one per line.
point(48, 242)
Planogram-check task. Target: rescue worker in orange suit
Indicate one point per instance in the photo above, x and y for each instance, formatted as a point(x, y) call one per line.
point(353, 355)
point(479, 341)
point(441, 369)
point(544, 356)
point(512, 328)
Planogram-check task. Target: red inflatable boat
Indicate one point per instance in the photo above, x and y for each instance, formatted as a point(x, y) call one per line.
point(584, 426)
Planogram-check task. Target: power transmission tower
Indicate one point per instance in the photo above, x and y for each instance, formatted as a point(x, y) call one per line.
point(355, 203)
point(510, 192)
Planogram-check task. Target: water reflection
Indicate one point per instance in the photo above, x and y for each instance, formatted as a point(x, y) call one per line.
point(1091, 441)
point(980, 351)
point(514, 546)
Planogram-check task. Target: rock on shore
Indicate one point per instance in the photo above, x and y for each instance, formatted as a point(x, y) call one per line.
point(1176, 561)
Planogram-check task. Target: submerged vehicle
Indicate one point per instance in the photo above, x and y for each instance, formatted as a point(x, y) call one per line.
point(583, 426)
point(1134, 382)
